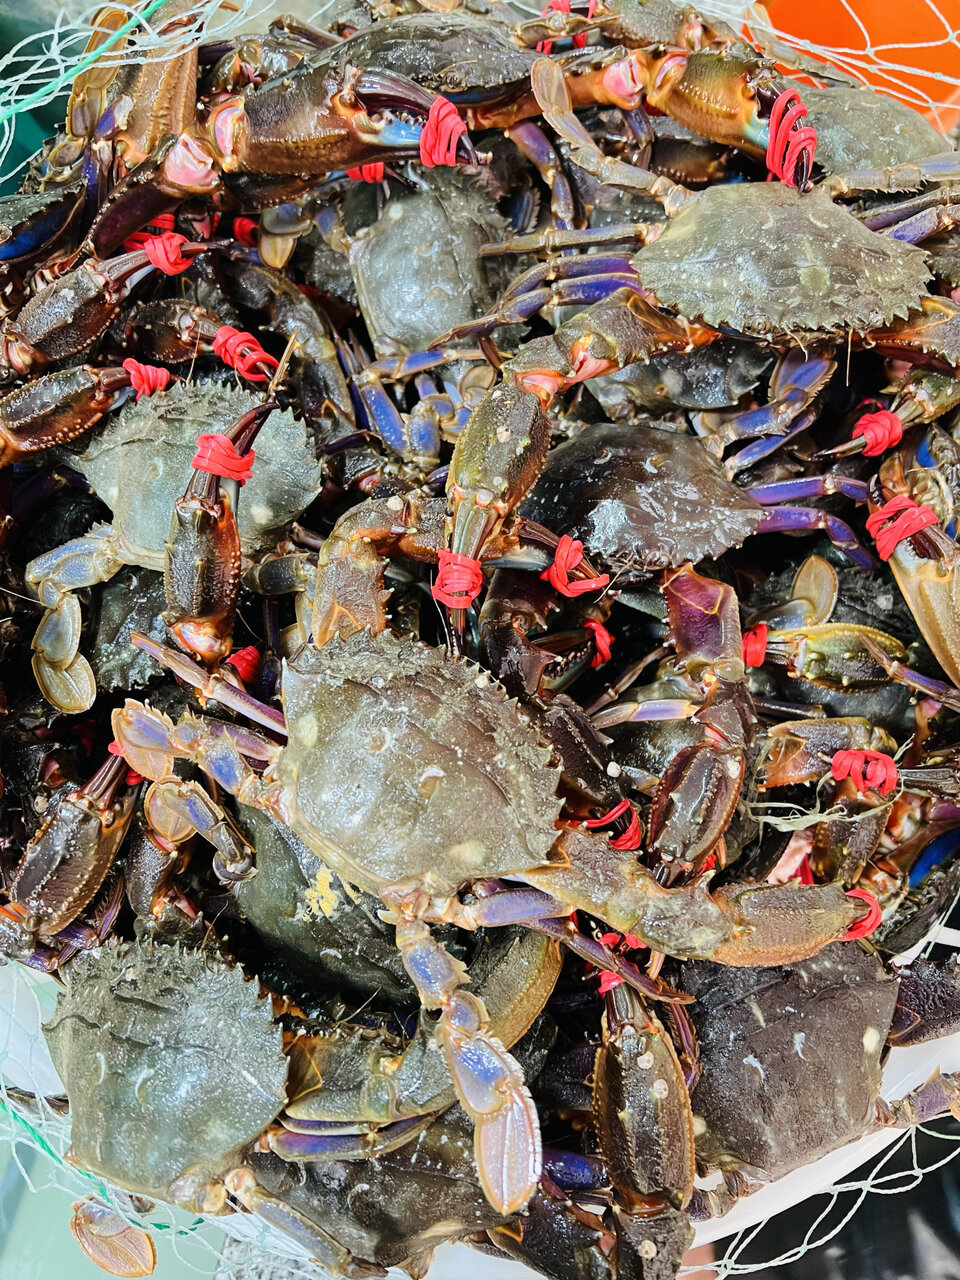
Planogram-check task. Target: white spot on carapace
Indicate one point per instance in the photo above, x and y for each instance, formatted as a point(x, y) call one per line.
point(872, 1040)
point(751, 1061)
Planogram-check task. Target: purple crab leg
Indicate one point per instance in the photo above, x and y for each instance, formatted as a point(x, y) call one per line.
point(396, 368)
point(532, 142)
point(345, 1146)
point(808, 487)
point(924, 225)
point(565, 269)
point(601, 957)
point(589, 237)
point(802, 519)
point(766, 445)
point(211, 686)
point(583, 289)
point(924, 685)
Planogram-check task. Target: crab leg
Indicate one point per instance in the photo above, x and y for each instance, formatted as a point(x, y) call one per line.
point(488, 1080)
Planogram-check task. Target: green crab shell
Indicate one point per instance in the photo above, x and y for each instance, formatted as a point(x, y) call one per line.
point(154, 442)
point(413, 765)
point(765, 260)
point(171, 1061)
point(857, 129)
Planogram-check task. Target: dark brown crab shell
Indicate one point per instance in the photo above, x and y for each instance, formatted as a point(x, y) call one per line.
point(641, 497)
point(171, 1061)
point(790, 1056)
point(766, 261)
point(414, 765)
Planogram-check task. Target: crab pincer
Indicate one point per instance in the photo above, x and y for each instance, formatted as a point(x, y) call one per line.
point(202, 558)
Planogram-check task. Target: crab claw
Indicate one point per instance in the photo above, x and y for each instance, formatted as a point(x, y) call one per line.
point(318, 118)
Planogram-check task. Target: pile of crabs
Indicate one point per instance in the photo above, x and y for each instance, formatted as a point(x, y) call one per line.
point(481, 622)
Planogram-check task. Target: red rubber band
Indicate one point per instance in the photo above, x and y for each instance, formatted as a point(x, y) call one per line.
point(444, 128)
point(368, 172)
point(881, 770)
point(459, 580)
point(870, 921)
point(146, 378)
point(162, 222)
point(603, 640)
point(133, 779)
point(245, 232)
point(787, 144)
point(910, 519)
point(882, 430)
point(755, 645)
point(245, 662)
point(609, 940)
point(217, 456)
point(163, 251)
point(608, 981)
point(632, 837)
point(241, 351)
point(566, 557)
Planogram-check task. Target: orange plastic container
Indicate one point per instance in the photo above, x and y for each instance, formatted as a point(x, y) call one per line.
point(892, 44)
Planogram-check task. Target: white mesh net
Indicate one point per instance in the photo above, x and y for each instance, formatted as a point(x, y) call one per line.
point(914, 56)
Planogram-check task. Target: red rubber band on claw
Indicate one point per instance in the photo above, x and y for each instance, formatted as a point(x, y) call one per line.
point(368, 172)
point(459, 580)
point(608, 981)
point(146, 378)
point(870, 921)
point(787, 145)
point(869, 770)
point(881, 430)
point(241, 351)
point(133, 779)
point(906, 520)
point(245, 232)
point(245, 662)
point(566, 557)
point(632, 837)
point(441, 133)
point(755, 645)
point(163, 252)
point(603, 640)
point(217, 456)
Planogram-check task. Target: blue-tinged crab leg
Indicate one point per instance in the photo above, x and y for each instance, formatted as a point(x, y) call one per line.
point(590, 279)
point(926, 686)
point(489, 1081)
point(533, 143)
point(331, 1145)
point(214, 686)
point(802, 519)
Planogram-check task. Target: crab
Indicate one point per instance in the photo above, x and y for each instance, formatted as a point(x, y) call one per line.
point(151, 1022)
point(361, 713)
point(155, 438)
point(828, 1019)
